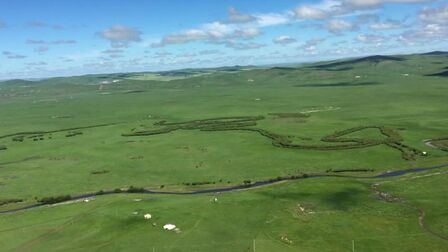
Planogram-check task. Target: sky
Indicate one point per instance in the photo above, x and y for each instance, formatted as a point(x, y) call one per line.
point(43, 38)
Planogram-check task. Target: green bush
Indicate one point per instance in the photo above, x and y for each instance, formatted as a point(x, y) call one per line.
point(9, 201)
point(54, 200)
point(100, 192)
point(133, 189)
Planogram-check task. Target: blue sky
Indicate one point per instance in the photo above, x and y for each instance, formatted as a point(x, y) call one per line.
point(59, 38)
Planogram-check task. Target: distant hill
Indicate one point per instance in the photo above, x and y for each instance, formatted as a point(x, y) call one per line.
point(17, 82)
point(436, 53)
point(375, 59)
point(332, 65)
point(283, 68)
point(195, 71)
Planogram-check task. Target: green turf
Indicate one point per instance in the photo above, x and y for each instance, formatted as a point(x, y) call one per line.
point(334, 212)
point(51, 150)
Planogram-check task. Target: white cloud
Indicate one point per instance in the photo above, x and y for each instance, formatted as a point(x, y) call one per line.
point(209, 52)
point(63, 42)
point(433, 27)
point(311, 49)
point(375, 3)
point(370, 38)
point(427, 32)
point(367, 18)
point(35, 42)
point(284, 40)
point(310, 12)
point(336, 8)
point(242, 46)
point(39, 24)
point(182, 37)
point(240, 25)
point(310, 46)
point(338, 25)
point(11, 55)
point(271, 19)
point(186, 55)
point(213, 32)
point(120, 35)
point(247, 33)
point(434, 30)
point(40, 63)
point(162, 54)
point(388, 25)
point(217, 30)
point(55, 42)
point(41, 49)
point(112, 51)
point(237, 17)
point(435, 16)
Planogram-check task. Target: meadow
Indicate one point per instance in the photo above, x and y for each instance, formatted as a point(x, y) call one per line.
point(217, 128)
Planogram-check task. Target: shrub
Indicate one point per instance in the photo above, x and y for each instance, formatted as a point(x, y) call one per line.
point(73, 133)
point(133, 189)
point(54, 200)
point(18, 138)
point(9, 201)
point(99, 172)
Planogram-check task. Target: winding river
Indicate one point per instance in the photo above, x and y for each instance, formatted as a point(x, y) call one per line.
point(239, 187)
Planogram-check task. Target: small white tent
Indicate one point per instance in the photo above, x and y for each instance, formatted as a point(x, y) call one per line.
point(169, 227)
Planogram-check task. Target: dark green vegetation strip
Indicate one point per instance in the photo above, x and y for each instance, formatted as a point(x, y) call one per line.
point(213, 124)
point(20, 134)
point(9, 201)
point(393, 139)
point(99, 172)
point(54, 200)
point(133, 91)
point(290, 115)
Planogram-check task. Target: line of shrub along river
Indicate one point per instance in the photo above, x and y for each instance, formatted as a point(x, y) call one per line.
point(243, 186)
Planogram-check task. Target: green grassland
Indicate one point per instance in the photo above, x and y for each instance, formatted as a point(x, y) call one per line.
point(335, 212)
point(220, 127)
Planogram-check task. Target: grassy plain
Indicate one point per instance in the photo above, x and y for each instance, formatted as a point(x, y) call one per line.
point(373, 92)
